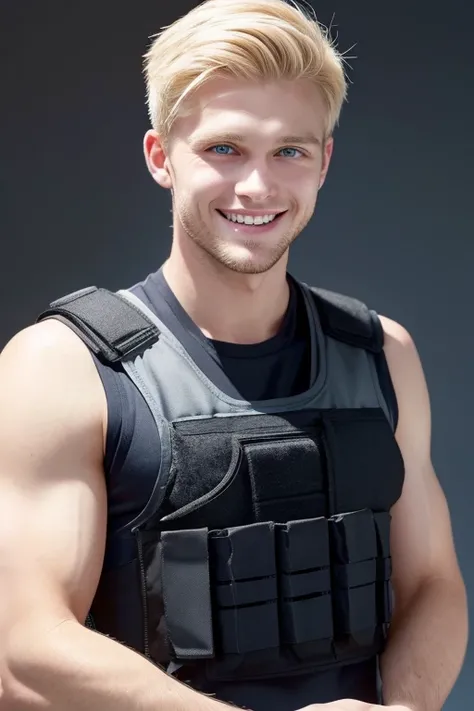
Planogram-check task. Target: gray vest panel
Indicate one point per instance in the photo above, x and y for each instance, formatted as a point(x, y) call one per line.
point(175, 388)
point(307, 481)
point(264, 549)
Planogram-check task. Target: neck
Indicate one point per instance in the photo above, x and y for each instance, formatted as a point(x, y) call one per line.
point(226, 305)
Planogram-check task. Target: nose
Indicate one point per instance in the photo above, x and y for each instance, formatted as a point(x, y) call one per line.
point(258, 184)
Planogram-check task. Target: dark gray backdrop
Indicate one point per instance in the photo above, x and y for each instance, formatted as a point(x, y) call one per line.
point(393, 225)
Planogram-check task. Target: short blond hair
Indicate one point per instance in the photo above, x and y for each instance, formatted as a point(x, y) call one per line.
point(255, 40)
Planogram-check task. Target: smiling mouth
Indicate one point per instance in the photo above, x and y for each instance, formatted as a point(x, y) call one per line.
point(252, 221)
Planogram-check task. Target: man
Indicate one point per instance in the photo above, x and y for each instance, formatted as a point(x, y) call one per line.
point(227, 469)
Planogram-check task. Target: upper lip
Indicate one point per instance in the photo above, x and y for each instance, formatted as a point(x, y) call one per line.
point(253, 213)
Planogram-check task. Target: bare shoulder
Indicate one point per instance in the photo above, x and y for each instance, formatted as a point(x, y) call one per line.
point(409, 382)
point(402, 354)
point(47, 343)
point(46, 368)
point(397, 337)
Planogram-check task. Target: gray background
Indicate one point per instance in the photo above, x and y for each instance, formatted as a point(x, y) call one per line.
point(393, 225)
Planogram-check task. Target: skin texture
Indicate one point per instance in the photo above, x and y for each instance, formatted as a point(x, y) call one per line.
point(218, 275)
point(229, 154)
point(53, 410)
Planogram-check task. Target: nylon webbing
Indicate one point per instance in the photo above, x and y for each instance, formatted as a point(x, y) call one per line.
point(111, 326)
point(348, 320)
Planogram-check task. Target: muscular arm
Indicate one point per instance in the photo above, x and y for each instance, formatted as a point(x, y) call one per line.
point(52, 533)
point(428, 637)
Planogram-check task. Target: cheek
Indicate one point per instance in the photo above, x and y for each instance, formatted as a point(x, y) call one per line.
point(193, 174)
point(303, 187)
point(301, 176)
point(207, 183)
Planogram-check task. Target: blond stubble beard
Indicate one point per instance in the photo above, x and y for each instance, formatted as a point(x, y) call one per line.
point(212, 245)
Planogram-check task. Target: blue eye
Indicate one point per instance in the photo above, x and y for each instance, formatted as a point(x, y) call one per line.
point(290, 152)
point(222, 149)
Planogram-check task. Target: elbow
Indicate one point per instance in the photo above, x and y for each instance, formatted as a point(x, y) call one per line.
point(16, 691)
point(452, 589)
point(26, 665)
point(445, 596)
point(449, 586)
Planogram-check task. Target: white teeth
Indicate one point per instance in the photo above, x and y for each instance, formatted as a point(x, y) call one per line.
point(249, 219)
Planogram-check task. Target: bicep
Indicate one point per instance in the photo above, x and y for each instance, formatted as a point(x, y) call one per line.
point(51, 545)
point(52, 498)
point(422, 544)
point(421, 539)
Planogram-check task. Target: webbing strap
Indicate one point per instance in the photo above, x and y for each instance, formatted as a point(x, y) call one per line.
point(115, 328)
point(111, 326)
point(349, 320)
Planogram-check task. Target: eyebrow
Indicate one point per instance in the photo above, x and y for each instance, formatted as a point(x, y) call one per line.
point(305, 139)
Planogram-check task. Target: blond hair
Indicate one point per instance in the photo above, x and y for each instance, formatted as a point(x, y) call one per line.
point(256, 40)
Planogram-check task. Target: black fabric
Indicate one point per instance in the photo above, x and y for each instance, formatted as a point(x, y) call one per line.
point(127, 606)
point(246, 609)
point(190, 625)
point(274, 498)
point(313, 594)
point(340, 460)
point(386, 385)
point(276, 368)
point(130, 471)
point(349, 320)
point(111, 326)
point(240, 445)
point(354, 681)
point(366, 447)
point(264, 585)
point(132, 448)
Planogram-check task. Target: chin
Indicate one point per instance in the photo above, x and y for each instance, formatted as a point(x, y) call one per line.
point(247, 261)
point(246, 257)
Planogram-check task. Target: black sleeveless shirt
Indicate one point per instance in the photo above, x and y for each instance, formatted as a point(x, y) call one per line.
point(276, 368)
point(279, 367)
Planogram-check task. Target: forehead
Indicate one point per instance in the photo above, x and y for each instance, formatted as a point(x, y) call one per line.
point(266, 108)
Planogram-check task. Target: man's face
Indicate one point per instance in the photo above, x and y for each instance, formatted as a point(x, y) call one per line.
point(245, 166)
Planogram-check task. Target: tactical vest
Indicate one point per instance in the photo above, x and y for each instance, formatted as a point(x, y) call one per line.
point(264, 549)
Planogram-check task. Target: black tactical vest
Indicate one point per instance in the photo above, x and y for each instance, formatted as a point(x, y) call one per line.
point(264, 550)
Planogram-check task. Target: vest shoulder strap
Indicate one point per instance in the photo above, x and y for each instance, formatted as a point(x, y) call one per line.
point(115, 329)
point(111, 326)
point(349, 320)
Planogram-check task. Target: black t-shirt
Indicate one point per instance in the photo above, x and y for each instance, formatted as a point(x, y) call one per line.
point(276, 368)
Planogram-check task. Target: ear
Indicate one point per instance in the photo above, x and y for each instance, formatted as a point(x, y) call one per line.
point(327, 153)
point(156, 159)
